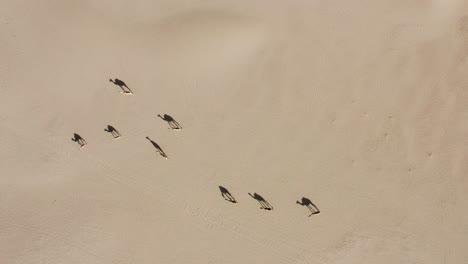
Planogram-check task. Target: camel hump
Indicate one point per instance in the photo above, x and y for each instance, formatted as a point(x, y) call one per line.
point(119, 82)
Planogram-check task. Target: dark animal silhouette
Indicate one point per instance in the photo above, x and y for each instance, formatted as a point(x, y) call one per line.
point(77, 138)
point(227, 195)
point(172, 123)
point(121, 84)
point(158, 148)
point(310, 205)
point(265, 205)
point(113, 131)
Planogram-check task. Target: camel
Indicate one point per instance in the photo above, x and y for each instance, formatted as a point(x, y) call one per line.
point(172, 123)
point(158, 148)
point(121, 84)
point(227, 195)
point(113, 131)
point(77, 138)
point(310, 205)
point(264, 204)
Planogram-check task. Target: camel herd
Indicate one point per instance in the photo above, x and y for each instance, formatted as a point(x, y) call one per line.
point(174, 125)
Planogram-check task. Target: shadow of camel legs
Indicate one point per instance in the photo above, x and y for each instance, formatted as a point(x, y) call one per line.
point(158, 148)
point(172, 123)
point(77, 138)
point(227, 195)
point(264, 204)
point(308, 203)
point(113, 131)
point(121, 84)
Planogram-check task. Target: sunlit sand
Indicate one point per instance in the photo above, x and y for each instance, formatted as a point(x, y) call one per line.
point(295, 132)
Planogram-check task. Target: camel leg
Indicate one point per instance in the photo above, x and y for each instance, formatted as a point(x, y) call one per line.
point(171, 125)
point(227, 197)
point(177, 124)
point(162, 153)
point(130, 91)
point(313, 210)
point(231, 198)
point(316, 210)
point(313, 213)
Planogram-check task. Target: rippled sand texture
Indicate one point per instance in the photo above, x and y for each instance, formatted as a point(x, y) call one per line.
point(359, 106)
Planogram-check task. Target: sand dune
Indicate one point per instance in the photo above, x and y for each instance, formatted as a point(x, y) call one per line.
point(357, 106)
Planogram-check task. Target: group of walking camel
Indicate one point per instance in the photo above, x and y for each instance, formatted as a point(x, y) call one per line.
point(266, 205)
point(174, 125)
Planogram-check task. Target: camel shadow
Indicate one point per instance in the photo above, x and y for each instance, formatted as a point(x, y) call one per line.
point(158, 148)
point(121, 84)
point(264, 204)
point(308, 203)
point(227, 195)
point(77, 138)
point(113, 131)
point(172, 123)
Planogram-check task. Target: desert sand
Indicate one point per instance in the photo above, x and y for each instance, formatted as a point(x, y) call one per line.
point(359, 106)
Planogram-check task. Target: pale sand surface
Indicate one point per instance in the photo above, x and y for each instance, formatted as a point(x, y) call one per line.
point(360, 106)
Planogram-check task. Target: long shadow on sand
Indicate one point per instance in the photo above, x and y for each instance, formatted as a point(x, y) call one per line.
point(308, 203)
point(227, 195)
point(172, 123)
point(77, 138)
point(121, 84)
point(264, 204)
point(113, 131)
point(158, 148)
